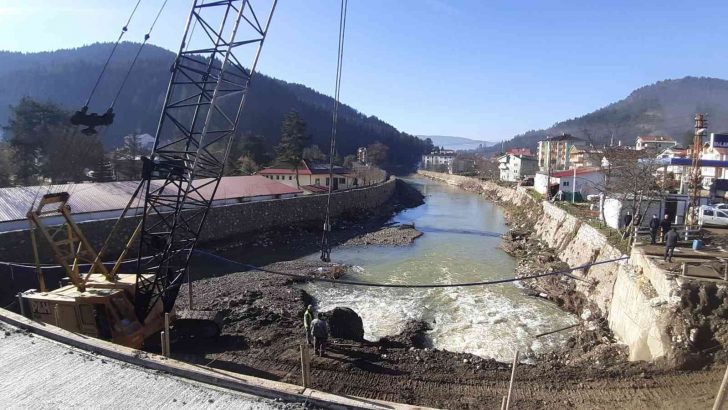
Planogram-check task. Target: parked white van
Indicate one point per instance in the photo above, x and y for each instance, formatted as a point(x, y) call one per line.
point(709, 215)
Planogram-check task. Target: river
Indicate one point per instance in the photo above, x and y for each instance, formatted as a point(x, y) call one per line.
point(460, 244)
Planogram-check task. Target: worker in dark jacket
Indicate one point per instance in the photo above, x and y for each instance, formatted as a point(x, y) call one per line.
point(670, 244)
point(654, 226)
point(627, 222)
point(665, 224)
point(320, 331)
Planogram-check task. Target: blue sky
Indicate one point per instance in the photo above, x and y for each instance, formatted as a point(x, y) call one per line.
point(478, 69)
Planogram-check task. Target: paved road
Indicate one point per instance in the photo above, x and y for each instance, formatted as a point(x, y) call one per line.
point(41, 374)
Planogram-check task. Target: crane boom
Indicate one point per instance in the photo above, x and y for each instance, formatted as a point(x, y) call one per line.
point(202, 108)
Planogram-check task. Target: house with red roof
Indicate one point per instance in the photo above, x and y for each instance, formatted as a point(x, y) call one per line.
point(519, 151)
point(313, 178)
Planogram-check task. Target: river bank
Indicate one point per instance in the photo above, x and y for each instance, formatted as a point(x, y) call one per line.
point(263, 331)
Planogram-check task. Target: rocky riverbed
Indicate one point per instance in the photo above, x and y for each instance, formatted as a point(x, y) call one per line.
point(263, 332)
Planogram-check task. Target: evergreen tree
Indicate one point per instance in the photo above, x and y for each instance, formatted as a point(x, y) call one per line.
point(293, 138)
point(377, 153)
point(32, 124)
point(7, 166)
point(314, 153)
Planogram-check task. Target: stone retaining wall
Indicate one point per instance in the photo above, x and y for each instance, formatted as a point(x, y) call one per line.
point(222, 222)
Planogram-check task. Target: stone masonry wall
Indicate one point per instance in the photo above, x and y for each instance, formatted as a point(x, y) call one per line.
point(222, 222)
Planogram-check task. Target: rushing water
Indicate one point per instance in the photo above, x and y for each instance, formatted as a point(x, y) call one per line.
point(460, 244)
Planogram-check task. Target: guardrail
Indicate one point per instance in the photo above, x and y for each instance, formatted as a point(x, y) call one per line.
point(685, 232)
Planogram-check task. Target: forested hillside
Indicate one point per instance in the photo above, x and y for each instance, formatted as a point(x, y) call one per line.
point(66, 76)
point(664, 108)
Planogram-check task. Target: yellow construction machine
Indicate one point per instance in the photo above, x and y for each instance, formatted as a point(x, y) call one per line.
point(201, 111)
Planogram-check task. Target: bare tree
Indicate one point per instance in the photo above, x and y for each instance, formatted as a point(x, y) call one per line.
point(631, 178)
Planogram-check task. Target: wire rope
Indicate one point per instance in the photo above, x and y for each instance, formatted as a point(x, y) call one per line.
point(136, 57)
point(124, 29)
point(325, 245)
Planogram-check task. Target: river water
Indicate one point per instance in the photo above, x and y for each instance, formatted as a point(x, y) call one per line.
point(460, 244)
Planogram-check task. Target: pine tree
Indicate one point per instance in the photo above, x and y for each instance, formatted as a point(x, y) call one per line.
point(293, 139)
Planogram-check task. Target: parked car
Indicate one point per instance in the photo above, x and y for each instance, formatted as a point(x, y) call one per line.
point(720, 206)
point(527, 181)
point(708, 215)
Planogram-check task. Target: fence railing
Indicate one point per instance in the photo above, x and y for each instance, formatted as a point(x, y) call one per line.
point(685, 232)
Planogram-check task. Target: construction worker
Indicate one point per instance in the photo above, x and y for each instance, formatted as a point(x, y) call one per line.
point(665, 224)
point(670, 244)
point(307, 319)
point(320, 331)
point(654, 226)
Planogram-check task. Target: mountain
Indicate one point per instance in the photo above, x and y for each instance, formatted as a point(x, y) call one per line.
point(65, 77)
point(455, 143)
point(664, 108)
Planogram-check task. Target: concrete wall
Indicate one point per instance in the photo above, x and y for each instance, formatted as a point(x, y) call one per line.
point(222, 222)
point(635, 295)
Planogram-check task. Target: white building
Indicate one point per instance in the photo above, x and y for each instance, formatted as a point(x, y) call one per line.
point(654, 142)
point(674, 205)
point(514, 167)
point(312, 178)
point(438, 161)
point(584, 180)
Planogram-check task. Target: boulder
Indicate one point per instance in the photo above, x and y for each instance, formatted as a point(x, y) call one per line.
point(344, 323)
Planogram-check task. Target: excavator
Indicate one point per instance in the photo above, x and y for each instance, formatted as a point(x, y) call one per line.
point(205, 97)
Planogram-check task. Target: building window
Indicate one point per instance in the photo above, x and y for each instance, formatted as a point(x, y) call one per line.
point(566, 183)
point(290, 177)
point(327, 182)
point(318, 181)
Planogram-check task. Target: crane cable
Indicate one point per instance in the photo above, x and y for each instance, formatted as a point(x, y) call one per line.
point(124, 29)
point(141, 46)
point(325, 245)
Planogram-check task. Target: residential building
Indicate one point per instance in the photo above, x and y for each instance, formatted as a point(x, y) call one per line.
point(438, 160)
point(311, 174)
point(106, 200)
point(674, 172)
point(514, 167)
point(520, 151)
point(554, 152)
point(583, 156)
point(361, 155)
point(714, 150)
point(656, 143)
point(584, 180)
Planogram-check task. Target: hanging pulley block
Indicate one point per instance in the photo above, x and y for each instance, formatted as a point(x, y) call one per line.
point(92, 120)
